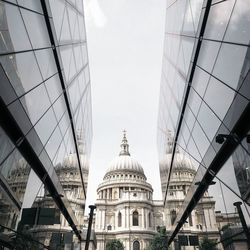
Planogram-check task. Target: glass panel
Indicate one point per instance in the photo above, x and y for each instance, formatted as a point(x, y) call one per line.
point(60, 107)
point(188, 23)
point(208, 121)
point(77, 35)
point(66, 54)
point(46, 62)
point(54, 88)
point(6, 146)
point(72, 18)
point(37, 29)
point(194, 102)
point(36, 103)
point(53, 143)
point(201, 139)
point(60, 155)
point(64, 123)
point(187, 50)
point(65, 35)
point(208, 54)
point(22, 71)
point(82, 82)
point(20, 115)
point(78, 57)
point(238, 28)
point(196, 6)
point(218, 97)
point(218, 20)
point(46, 125)
point(229, 64)
point(13, 34)
point(73, 91)
point(31, 4)
point(35, 141)
point(200, 81)
point(58, 12)
point(16, 170)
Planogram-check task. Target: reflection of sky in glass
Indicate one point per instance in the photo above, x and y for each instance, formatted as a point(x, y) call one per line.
point(216, 75)
point(34, 76)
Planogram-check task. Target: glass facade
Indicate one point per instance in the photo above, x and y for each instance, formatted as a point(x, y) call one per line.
point(45, 102)
point(204, 103)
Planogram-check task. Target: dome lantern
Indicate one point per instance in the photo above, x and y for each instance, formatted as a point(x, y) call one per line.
point(124, 162)
point(124, 145)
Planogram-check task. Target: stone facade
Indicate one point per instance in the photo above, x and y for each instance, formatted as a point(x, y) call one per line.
point(126, 209)
point(125, 206)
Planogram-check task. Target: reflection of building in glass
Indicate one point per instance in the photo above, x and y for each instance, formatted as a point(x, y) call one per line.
point(241, 162)
point(202, 220)
point(70, 180)
point(45, 105)
point(204, 102)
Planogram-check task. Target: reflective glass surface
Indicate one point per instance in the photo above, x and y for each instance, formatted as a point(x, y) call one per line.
point(212, 92)
point(39, 94)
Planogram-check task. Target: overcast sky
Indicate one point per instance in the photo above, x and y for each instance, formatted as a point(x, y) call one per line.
point(125, 45)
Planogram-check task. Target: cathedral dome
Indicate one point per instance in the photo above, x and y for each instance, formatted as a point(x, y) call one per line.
point(124, 162)
point(180, 162)
point(71, 161)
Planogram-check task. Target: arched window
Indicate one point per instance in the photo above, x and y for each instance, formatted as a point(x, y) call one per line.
point(149, 220)
point(119, 219)
point(109, 227)
point(136, 245)
point(135, 218)
point(172, 216)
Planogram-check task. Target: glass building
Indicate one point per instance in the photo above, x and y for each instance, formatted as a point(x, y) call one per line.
point(204, 109)
point(45, 108)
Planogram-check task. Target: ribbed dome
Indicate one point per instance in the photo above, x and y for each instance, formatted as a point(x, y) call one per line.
point(71, 161)
point(180, 161)
point(126, 163)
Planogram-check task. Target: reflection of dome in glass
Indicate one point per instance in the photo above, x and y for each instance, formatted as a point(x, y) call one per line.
point(124, 162)
point(21, 168)
point(180, 161)
point(71, 161)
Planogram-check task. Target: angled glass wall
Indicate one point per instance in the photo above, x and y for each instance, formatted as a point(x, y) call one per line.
point(45, 100)
point(204, 104)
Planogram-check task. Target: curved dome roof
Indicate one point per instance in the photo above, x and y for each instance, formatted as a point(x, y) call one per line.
point(71, 161)
point(124, 162)
point(180, 161)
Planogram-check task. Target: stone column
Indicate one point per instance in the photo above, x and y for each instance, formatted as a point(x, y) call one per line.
point(97, 219)
point(143, 218)
point(125, 218)
point(207, 219)
point(103, 226)
point(212, 217)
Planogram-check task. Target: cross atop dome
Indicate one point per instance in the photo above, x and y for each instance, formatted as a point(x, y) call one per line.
point(124, 145)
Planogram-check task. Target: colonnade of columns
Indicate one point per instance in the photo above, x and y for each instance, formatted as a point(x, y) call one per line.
point(126, 218)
